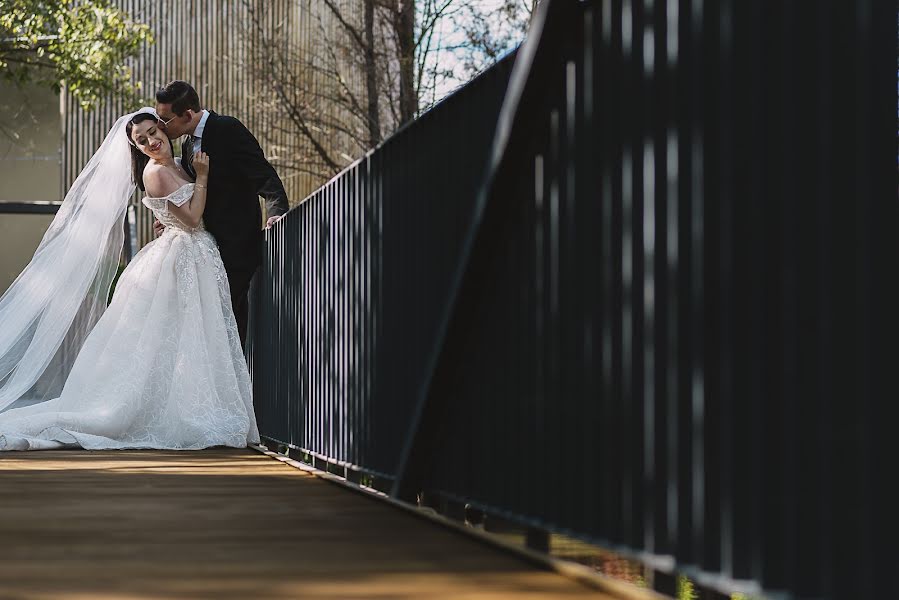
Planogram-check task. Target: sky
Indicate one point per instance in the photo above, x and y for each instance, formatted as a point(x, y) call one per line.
point(450, 34)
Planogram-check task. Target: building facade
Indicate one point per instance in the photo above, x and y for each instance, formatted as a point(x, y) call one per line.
point(220, 46)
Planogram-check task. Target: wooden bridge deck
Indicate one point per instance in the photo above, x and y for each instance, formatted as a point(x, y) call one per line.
point(230, 524)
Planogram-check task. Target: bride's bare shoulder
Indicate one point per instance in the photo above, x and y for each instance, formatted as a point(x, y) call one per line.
point(158, 182)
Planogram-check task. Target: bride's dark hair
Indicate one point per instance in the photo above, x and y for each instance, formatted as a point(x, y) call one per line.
point(139, 160)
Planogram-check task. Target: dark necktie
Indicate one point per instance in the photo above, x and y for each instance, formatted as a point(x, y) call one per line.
point(187, 156)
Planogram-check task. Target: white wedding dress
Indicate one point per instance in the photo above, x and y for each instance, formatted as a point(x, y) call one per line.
point(163, 366)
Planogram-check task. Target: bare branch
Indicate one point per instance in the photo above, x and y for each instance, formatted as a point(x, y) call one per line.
point(352, 30)
point(292, 111)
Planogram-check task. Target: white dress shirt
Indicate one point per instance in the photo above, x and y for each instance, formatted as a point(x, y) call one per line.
point(198, 132)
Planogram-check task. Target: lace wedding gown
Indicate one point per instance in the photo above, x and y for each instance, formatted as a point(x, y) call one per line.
point(162, 368)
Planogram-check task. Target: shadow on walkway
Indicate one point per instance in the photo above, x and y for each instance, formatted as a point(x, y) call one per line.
point(229, 524)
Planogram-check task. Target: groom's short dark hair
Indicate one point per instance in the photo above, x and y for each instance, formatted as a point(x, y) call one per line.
point(181, 95)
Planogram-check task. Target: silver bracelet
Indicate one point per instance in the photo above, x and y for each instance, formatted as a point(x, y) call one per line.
point(202, 185)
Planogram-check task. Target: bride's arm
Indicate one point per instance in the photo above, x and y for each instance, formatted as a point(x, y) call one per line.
point(192, 212)
point(160, 183)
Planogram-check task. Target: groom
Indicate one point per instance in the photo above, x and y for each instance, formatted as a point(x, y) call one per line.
point(238, 175)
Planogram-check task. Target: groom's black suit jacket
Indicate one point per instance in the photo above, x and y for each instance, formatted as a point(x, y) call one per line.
point(238, 174)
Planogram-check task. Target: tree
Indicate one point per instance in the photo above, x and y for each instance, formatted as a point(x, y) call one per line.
point(483, 36)
point(82, 45)
point(465, 38)
point(370, 67)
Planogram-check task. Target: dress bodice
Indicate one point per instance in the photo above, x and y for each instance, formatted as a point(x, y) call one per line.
point(159, 206)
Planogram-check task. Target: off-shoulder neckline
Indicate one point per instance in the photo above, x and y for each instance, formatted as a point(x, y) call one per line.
point(170, 195)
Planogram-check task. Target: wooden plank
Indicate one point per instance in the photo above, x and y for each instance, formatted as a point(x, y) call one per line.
point(229, 524)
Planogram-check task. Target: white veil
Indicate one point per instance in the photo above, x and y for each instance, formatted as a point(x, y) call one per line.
point(51, 307)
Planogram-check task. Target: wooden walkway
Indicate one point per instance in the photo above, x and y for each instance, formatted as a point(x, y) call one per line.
point(230, 524)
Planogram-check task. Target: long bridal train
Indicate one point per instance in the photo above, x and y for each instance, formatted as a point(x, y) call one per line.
point(162, 368)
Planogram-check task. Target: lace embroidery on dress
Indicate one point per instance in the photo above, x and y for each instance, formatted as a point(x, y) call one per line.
point(204, 249)
point(185, 269)
point(163, 368)
point(182, 195)
point(160, 208)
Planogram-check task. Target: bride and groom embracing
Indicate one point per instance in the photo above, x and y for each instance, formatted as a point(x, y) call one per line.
point(162, 366)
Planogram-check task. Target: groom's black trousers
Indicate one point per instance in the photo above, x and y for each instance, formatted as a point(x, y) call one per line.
point(239, 282)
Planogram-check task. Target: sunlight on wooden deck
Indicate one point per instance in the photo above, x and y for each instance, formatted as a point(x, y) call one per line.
point(229, 524)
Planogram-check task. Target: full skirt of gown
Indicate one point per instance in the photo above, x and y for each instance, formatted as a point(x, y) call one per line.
point(162, 368)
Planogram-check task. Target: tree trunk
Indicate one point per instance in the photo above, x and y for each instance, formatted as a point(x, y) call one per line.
point(405, 30)
point(371, 77)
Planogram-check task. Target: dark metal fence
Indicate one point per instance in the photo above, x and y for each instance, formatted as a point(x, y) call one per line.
point(652, 311)
point(355, 281)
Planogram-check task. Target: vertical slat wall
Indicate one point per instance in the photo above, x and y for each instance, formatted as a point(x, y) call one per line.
point(208, 43)
point(675, 333)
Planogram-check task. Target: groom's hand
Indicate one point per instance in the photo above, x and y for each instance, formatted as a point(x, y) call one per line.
point(158, 228)
point(272, 220)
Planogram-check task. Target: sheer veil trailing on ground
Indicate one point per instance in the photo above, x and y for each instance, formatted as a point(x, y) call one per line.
point(51, 307)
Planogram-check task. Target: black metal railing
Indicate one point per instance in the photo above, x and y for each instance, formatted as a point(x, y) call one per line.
point(356, 278)
point(651, 311)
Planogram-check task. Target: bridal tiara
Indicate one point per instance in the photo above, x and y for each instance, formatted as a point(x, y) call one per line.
point(145, 110)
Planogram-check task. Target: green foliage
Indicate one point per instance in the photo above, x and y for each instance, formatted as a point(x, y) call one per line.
point(685, 589)
point(80, 44)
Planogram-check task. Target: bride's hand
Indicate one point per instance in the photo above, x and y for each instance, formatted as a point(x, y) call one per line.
point(201, 165)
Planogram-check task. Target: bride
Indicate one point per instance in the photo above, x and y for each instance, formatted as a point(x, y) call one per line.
point(162, 366)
